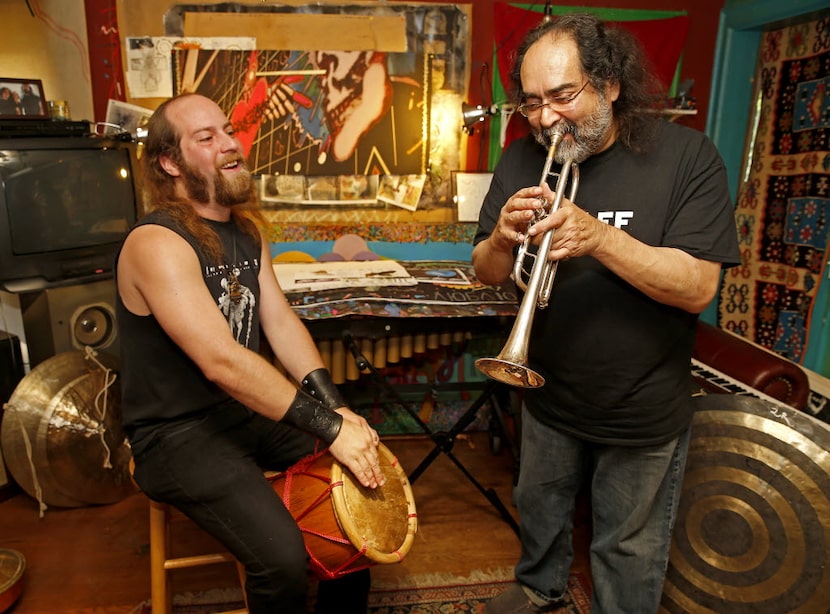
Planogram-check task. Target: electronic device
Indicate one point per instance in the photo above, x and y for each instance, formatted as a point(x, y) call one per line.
point(46, 127)
point(66, 203)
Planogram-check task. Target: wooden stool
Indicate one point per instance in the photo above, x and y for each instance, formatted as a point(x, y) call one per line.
point(161, 562)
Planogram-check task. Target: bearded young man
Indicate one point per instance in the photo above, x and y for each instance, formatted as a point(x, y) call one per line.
point(639, 257)
point(204, 412)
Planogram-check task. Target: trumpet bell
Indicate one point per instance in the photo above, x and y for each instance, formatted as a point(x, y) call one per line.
point(510, 373)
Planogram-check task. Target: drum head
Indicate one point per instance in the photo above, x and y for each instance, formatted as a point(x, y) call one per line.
point(381, 521)
point(752, 524)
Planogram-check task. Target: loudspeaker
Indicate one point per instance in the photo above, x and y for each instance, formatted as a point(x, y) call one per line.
point(69, 318)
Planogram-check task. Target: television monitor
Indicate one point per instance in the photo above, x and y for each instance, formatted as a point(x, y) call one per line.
point(66, 203)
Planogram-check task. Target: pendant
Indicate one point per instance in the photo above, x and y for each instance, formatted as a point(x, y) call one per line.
point(234, 288)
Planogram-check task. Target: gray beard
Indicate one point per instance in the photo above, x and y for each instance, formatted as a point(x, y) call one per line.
point(588, 135)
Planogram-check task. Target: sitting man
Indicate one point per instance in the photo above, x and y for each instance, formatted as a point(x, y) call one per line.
point(204, 411)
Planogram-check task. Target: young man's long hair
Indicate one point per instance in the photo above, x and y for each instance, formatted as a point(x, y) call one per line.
point(160, 187)
point(609, 54)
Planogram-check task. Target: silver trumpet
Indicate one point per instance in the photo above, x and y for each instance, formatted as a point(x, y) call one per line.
point(510, 366)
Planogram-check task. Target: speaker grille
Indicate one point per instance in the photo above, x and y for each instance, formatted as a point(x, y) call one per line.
point(94, 326)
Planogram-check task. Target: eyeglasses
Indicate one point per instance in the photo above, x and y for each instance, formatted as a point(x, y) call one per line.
point(532, 110)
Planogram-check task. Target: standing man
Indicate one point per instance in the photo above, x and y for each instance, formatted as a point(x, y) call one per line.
point(204, 412)
point(640, 256)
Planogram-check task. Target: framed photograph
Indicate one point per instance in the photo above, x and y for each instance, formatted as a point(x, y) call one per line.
point(125, 117)
point(330, 190)
point(401, 190)
point(22, 99)
point(469, 190)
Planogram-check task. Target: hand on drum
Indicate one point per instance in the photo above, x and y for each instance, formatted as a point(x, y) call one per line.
point(356, 447)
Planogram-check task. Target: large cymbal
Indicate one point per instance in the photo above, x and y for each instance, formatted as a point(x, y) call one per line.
point(62, 428)
point(752, 527)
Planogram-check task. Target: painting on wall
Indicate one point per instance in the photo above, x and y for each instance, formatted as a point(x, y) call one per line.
point(317, 113)
point(389, 108)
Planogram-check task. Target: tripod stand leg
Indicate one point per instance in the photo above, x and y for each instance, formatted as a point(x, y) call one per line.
point(444, 441)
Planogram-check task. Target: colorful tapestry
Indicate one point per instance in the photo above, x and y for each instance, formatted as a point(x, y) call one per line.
point(783, 204)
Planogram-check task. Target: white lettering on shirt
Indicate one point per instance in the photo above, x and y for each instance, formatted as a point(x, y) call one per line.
point(619, 218)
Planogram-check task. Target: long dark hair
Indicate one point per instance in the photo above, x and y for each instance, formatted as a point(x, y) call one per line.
point(160, 187)
point(609, 54)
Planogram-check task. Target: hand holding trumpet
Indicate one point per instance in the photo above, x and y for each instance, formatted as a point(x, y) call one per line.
point(576, 232)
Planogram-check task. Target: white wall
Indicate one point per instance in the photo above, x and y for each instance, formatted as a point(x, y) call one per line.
point(11, 321)
point(50, 46)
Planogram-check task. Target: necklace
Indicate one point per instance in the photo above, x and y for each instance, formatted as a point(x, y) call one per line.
point(234, 287)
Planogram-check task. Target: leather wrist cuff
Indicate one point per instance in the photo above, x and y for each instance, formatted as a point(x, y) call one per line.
point(309, 415)
point(319, 385)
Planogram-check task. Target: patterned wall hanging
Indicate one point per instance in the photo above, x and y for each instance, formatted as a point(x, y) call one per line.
point(783, 203)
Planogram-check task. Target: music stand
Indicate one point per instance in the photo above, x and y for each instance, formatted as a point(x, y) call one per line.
point(443, 440)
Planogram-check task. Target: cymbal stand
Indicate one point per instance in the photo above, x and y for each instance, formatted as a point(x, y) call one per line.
point(443, 440)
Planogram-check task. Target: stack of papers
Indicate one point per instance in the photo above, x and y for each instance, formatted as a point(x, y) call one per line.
point(311, 276)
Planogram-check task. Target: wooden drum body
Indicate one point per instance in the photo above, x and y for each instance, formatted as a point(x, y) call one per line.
point(347, 527)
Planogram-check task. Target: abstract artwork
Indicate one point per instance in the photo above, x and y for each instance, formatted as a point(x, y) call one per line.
point(317, 112)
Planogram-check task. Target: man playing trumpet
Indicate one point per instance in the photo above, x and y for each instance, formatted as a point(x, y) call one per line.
point(640, 256)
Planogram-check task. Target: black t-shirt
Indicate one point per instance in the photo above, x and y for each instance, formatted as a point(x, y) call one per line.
point(616, 363)
point(160, 383)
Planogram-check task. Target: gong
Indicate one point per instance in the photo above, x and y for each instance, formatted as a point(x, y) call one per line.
point(753, 524)
point(61, 434)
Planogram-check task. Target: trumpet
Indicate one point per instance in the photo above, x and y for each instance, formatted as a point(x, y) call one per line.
point(510, 366)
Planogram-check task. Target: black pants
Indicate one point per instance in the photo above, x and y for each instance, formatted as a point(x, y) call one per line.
point(211, 468)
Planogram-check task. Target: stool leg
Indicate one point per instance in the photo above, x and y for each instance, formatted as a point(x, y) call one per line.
point(161, 600)
point(240, 569)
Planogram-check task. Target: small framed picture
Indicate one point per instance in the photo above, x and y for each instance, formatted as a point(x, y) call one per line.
point(469, 190)
point(22, 99)
point(125, 117)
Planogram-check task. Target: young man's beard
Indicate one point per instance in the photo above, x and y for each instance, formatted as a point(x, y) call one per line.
point(588, 135)
point(227, 192)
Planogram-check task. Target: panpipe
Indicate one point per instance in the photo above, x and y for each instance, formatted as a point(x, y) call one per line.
point(382, 351)
point(388, 341)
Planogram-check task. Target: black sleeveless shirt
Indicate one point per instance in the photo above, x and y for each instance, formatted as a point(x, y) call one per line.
point(160, 383)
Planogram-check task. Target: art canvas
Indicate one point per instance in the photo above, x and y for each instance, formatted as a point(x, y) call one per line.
point(317, 113)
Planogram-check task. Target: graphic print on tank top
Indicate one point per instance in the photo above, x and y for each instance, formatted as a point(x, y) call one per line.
point(237, 303)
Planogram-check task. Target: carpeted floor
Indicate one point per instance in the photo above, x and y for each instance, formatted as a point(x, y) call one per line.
point(433, 596)
point(463, 597)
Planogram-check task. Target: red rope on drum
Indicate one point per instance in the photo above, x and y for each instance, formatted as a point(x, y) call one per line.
point(301, 468)
point(324, 573)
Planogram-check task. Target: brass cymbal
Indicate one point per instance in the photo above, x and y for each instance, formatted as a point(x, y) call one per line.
point(61, 434)
point(752, 526)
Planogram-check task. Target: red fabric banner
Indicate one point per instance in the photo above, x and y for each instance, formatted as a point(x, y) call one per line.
point(663, 40)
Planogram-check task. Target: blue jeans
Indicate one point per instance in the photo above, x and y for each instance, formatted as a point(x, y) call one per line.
point(211, 468)
point(634, 498)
